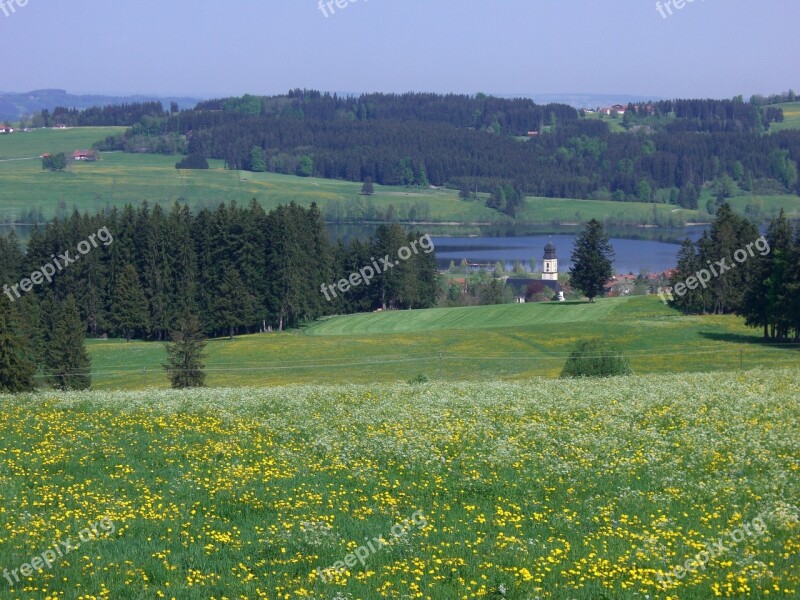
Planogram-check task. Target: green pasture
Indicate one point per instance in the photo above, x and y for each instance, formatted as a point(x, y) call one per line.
point(486, 343)
point(791, 115)
point(548, 489)
point(122, 178)
point(34, 143)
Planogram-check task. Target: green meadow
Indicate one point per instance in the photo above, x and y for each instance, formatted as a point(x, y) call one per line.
point(791, 116)
point(486, 343)
point(121, 178)
point(32, 144)
point(548, 489)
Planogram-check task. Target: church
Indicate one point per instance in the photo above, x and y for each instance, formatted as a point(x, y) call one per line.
point(549, 276)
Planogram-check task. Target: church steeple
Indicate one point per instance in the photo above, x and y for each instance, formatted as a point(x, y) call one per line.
point(550, 264)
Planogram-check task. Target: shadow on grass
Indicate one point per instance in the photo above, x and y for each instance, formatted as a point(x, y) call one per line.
point(740, 338)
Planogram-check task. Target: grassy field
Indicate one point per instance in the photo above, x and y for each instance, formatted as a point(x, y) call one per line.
point(540, 489)
point(506, 342)
point(32, 144)
point(559, 210)
point(791, 114)
point(121, 178)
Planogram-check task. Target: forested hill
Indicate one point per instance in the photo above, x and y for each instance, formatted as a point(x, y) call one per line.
point(664, 151)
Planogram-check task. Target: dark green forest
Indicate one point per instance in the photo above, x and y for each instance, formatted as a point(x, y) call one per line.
point(668, 151)
point(239, 269)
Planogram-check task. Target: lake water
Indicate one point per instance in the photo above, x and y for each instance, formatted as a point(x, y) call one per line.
point(632, 256)
point(650, 249)
point(653, 250)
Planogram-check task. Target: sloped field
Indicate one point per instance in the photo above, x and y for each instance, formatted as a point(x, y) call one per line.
point(536, 489)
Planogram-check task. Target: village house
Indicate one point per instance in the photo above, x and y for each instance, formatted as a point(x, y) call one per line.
point(85, 155)
point(617, 108)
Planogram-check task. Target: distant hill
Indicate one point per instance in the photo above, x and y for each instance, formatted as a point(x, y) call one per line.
point(14, 105)
point(587, 100)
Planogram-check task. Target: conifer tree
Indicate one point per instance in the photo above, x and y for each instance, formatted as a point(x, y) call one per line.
point(768, 292)
point(129, 309)
point(16, 369)
point(185, 354)
point(592, 260)
point(68, 365)
point(234, 303)
point(688, 264)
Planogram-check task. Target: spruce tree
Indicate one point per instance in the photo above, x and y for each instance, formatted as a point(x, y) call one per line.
point(129, 309)
point(728, 233)
point(592, 260)
point(691, 301)
point(768, 295)
point(68, 365)
point(16, 369)
point(185, 354)
point(234, 303)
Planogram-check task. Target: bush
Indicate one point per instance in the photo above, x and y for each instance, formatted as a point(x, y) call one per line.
point(595, 358)
point(418, 379)
point(193, 161)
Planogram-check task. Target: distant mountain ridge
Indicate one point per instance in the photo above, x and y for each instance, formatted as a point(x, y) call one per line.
point(14, 105)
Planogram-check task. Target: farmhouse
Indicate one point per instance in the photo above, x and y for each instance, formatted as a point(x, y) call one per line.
point(6, 129)
point(85, 155)
point(617, 108)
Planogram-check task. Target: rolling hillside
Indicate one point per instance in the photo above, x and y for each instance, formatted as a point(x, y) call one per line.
point(490, 343)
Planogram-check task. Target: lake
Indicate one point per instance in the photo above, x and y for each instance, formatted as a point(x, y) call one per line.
point(637, 249)
point(650, 249)
point(632, 256)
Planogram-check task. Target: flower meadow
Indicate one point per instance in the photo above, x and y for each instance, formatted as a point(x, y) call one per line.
point(538, 489)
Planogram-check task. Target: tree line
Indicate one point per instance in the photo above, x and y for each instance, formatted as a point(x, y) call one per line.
point(116, 115)
point(238, 269)
point(707, 115)
point(481, 143)
point(749, 275)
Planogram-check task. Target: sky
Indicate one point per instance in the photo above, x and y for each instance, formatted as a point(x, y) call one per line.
point(214, 48)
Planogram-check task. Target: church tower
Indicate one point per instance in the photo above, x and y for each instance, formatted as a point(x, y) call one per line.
point(550, 264)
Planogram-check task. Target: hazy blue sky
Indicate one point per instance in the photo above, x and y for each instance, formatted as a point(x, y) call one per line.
point(715, 48)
